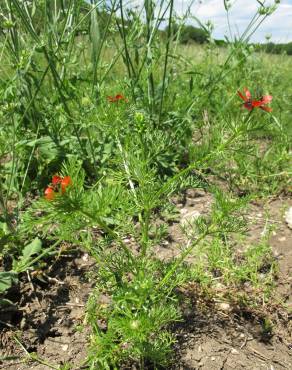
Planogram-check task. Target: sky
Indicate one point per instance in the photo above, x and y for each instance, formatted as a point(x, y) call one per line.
point(278, 25)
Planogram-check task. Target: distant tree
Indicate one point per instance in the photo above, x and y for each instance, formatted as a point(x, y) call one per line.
point(189, 33)
point(220, 42)
point(270, 47)
point(288, 48)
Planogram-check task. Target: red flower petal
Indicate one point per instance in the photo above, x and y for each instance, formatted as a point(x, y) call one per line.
point(49, 193)
point(248, 106)
point(242, 96)
point(66, 181)
point(256, 103)
point(111, 99)
point(267, 109)
point(266, 99)
point(247, 93)
point(119, 97)
point(114, 99)
point(56, 180)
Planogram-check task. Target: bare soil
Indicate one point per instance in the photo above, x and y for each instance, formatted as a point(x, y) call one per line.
point(51, 308)
point(49, 316)
point(221, 337)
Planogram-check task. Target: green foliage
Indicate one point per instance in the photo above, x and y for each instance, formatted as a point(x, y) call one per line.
point(137, 317)
point(24, 262)
point(191, 33)
point(272, 48)
point(6, 280)
point(27, 254)
point(188, 33)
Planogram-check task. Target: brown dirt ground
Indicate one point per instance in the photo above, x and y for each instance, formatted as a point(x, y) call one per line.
point(213, 338)
point(49, 316)
point(210, 337)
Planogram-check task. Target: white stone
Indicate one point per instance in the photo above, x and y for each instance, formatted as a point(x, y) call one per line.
point(85, 257)
point(282, 239)
point(224, 306)
point(65, 347)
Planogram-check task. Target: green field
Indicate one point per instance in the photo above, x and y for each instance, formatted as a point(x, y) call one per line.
point(143, 193)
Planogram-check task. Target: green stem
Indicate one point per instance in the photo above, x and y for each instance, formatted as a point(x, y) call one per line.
point(32, 262)
point(3, 209)
point(166, 58)
point(127, 59)
point(60, 89)
point(148, 4)
point(182, 257)
point(109, 231)
point(145, 232)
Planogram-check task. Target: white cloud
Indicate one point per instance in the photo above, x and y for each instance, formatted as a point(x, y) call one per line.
point(279, 24)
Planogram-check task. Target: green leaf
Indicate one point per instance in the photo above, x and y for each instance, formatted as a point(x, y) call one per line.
point(5, 303)
point(6, 280)
point(31, 249)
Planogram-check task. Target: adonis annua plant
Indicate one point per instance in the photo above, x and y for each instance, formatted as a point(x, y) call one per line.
point(104, 119)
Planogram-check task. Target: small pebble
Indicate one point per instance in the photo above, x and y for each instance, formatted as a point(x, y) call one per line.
point(234, 352)
point(224, 306)
point(65, 347)
point(220, 286)
point(85, 257)
point(282, 239)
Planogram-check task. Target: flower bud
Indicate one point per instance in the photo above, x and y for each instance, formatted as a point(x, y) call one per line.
point(86, 102)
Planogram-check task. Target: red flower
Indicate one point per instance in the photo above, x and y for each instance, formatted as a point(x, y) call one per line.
point(56, 180)
point(66, 181)
point(51, 190)
point(114, 99)
point(49, 193)
point(250, 103)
